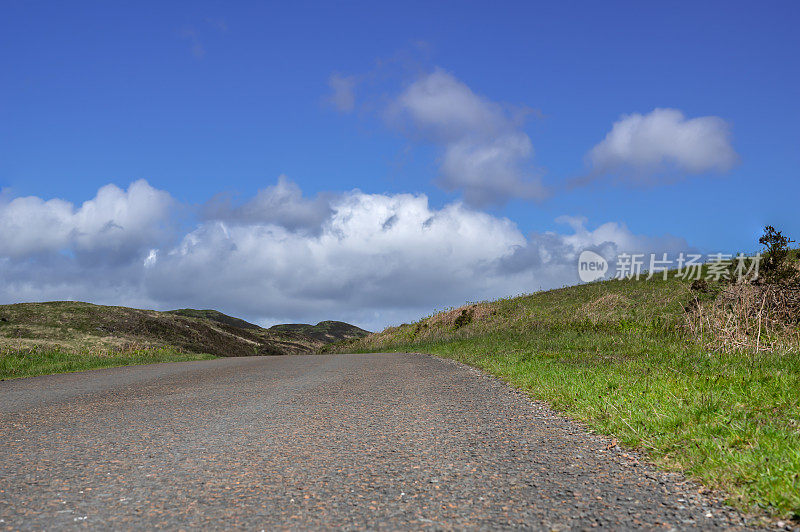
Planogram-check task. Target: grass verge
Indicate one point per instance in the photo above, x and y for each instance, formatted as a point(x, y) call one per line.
point(42, 361)
point(615, 356)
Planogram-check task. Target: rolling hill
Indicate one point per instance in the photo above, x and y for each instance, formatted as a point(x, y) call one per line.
point(324, 331)
point(70, 326)
point(214, 315)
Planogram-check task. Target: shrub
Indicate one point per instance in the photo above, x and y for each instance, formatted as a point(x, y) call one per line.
point(463, 319)
point(778, 265)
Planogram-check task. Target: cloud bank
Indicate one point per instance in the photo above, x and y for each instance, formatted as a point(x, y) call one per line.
point(371, 259)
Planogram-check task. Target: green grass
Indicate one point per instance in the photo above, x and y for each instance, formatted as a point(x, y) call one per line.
point(37, 361)
point(616, 356)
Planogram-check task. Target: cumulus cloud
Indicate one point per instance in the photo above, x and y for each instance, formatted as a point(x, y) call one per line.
point(51, 250)
point(485, 153)
point(116, 224)
point(379, 259)
point(663, 142)
point(280, 204)
point(375, 251)
point(374, 259)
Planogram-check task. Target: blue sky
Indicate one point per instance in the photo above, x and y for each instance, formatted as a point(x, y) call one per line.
point(204, 98)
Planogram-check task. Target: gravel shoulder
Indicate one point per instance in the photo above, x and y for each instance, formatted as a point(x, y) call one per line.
point(375, 441)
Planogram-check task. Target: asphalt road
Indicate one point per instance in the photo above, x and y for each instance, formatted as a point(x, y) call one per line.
point(354, 441)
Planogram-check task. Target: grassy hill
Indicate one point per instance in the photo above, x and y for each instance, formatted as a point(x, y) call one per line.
point(324, 331)
point(214, 315)
point(38, 338)
point(657, 364)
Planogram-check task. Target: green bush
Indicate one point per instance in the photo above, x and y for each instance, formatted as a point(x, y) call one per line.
point(778, 265)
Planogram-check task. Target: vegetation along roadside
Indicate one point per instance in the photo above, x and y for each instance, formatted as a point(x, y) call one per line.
point(703, 376)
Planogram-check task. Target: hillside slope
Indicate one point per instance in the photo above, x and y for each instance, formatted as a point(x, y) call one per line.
point(609, 305)
point(214, 315)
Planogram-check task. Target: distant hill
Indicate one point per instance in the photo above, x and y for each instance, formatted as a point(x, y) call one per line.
point(324, 331)
point(214, 315)
point(76, 326)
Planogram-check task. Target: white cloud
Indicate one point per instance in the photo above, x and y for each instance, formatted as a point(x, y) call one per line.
point(375, 259)
point(490, 171)
point(152, 258)
point(449, 109)
point(374, 252)
point(485, 153)
point(116, 223)
point(644, 147)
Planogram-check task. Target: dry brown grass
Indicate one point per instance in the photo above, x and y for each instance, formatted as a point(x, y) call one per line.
point(113, 349)
point(604, 306)
point(478, 312)
point(748, 318)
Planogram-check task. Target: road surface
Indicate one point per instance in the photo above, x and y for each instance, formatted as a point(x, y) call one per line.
point(305, 442)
